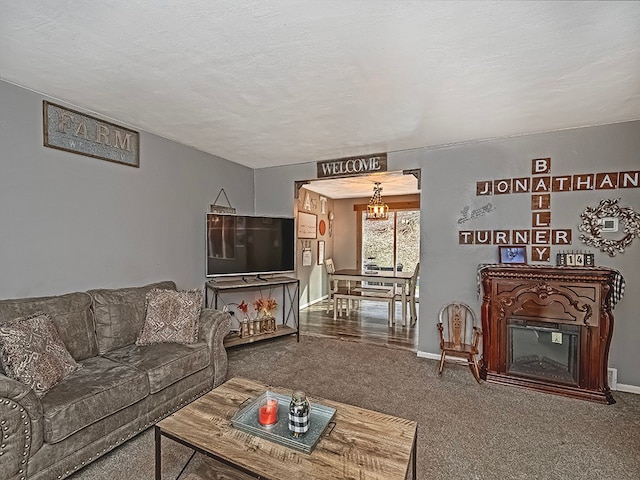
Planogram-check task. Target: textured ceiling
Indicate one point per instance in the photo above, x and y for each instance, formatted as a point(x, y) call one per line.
point(265, 83)
point(392, 183)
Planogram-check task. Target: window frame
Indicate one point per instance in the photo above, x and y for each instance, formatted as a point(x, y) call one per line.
point(393, 207)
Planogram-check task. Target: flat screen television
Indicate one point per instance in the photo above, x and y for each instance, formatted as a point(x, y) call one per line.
point(249, 244)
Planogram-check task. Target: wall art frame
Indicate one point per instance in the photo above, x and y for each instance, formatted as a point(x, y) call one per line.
point(321, 252)
point(307, 226)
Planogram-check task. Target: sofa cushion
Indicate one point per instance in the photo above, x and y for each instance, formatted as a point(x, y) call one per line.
point(164, 363)
point(32, 352)
point(70, 313)
point(172, 316)
point(119, 314)
point(100, 388)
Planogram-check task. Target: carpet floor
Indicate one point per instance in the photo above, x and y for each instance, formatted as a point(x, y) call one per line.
point(466, 430)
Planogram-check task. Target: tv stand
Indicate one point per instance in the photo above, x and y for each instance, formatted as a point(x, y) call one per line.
point(288, 312)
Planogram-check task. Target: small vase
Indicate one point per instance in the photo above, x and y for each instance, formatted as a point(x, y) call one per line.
point(257, 326)
point(244, 328)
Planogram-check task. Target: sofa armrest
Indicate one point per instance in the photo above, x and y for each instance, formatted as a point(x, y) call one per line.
point(214, 326)
point(21, 427)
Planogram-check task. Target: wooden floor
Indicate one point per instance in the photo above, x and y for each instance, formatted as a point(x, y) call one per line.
point(368, 324)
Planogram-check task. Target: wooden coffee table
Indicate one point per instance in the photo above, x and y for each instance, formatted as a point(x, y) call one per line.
point(363, 443)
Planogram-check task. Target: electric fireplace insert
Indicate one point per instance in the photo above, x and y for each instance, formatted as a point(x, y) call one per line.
point(544, 351)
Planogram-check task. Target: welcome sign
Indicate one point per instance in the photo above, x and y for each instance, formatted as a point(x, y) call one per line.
point(344, 167)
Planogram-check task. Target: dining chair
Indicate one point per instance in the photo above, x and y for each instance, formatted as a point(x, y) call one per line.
point(410, 294)
point(331, 269)
point(343, 287)
point(459, 335)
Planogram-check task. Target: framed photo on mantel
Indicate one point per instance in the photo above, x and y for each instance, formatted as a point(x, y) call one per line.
point(514, 254)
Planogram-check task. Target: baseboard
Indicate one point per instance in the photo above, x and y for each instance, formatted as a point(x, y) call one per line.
point(313, 302)
point(628, 388)
point(621, 387)
point(430, 356)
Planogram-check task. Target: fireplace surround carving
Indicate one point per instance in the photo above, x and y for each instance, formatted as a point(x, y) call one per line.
point(548, 329)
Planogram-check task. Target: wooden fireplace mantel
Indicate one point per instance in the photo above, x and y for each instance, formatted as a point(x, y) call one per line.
point(559, 296)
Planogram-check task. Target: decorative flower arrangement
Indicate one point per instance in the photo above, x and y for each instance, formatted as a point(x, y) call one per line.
point(265, 306)
point(243, 307)
point(262, 321)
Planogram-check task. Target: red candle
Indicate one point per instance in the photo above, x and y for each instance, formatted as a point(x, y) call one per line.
point(268, 413)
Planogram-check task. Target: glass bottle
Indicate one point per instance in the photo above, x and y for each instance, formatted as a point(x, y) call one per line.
point(299, 414)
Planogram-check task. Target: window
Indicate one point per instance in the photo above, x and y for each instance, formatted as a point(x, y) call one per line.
point(393, 243)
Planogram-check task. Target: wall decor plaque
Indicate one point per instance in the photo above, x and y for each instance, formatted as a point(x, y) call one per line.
point(321, 252)
point(322, 227)
point(75, 132)
point(307, 225)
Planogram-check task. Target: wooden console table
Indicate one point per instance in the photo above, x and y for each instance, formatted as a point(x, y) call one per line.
point(290, 319)
point(548, 328)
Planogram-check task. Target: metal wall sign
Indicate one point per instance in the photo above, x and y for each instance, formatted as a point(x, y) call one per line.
point(75, 132)
point(344, 167)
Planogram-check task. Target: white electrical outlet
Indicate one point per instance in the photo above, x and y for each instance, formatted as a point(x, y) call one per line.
point(613, 378)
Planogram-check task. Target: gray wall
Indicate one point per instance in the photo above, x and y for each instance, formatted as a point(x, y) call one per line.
point(70, 222)
point(449, 176)
point(313, 279)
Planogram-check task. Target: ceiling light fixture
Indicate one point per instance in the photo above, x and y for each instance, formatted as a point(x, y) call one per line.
point(377, 209)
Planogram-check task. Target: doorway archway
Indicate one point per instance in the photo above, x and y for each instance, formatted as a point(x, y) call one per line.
point(346, 198)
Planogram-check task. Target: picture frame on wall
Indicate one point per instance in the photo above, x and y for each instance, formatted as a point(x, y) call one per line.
point(306, 257)
point(320, 252)
point(307, 227)
point(513, 254)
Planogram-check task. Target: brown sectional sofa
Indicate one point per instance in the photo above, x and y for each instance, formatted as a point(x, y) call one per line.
point(120, 390)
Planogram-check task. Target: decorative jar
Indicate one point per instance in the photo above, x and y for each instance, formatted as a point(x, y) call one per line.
point(299, 414)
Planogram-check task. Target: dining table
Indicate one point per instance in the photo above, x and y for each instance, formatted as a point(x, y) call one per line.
point(403, 279)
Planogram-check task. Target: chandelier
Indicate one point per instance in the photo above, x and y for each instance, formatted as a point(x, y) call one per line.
point(377, 209)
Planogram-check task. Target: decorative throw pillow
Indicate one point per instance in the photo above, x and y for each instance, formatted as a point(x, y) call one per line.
point(172, 317)
point(32, 352)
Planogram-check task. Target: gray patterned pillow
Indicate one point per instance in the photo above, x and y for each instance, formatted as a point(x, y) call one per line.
point(32, 352)
point(172, 317)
